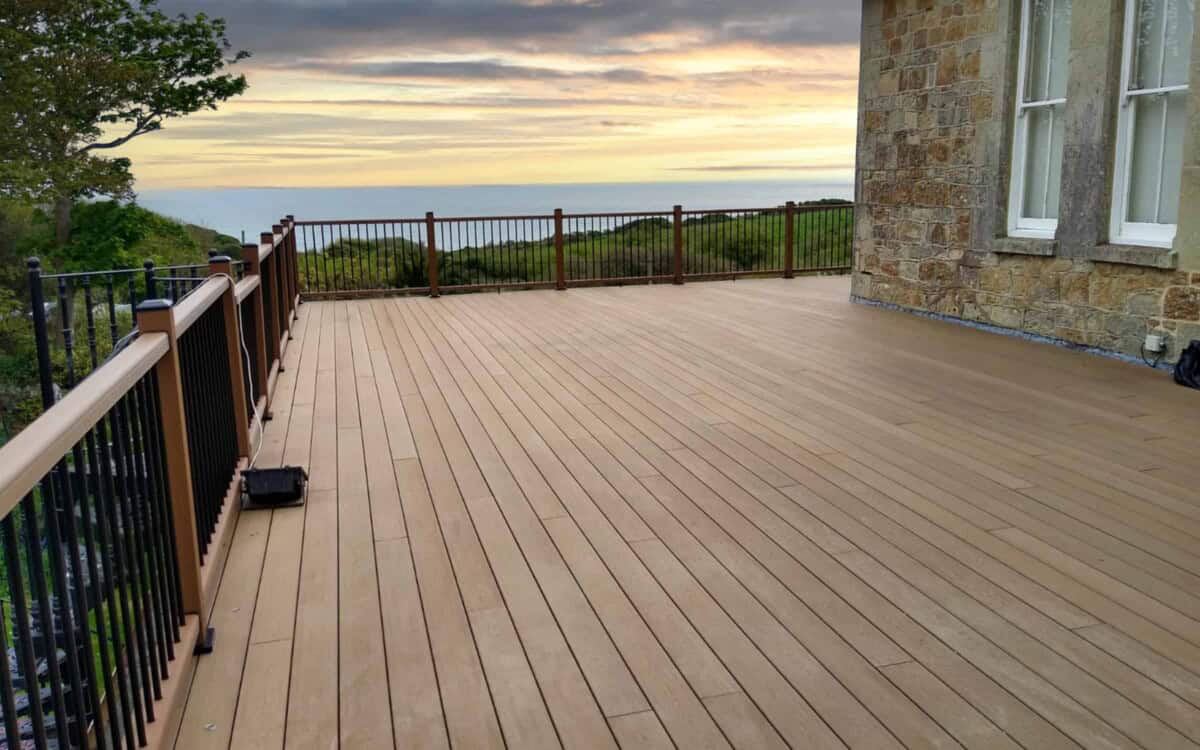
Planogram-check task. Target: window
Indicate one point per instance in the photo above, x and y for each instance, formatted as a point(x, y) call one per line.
point(1038, 135)
point(1152, 121)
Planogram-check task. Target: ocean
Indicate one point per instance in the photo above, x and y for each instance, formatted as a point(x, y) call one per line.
point(235, 211)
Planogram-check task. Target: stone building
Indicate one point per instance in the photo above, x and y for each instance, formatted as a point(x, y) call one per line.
point(1033, 165)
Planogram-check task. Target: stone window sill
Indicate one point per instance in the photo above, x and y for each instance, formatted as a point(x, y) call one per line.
point(1025, 246)
point(1132, 255)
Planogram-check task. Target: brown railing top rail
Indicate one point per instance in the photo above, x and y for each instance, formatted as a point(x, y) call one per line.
point(40, 446)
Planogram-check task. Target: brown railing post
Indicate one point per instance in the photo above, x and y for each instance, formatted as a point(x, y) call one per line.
point(273, 327)
point(156, 316)
point(295, 252)
point(560, 272)
point(285, 281)
point(262, 365)
point(222, 265)
point(431, 241)
point(677, 264)
point(283, 274)
point(789, 241)
point(289, 247)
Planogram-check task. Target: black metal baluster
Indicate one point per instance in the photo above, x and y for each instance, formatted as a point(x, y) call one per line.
point(79, 589)
point(100, 586)
point(112, 530)
point(98, 455)
point(134, 503)
point(8, 699)
point(159, 452)
point(90, 318)
point(197, 445)
point(156, 599)
point(62, 599)
point(26, 659)
point(127, 534)
point(111, 299)
point(68, 334)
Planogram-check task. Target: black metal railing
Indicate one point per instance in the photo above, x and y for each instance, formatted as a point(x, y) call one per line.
point(618, 247)
point(106, 549)
point(211, 428)
point(718, 243)
point(824, 236)
point(437, 254)
point(351, 256)
point(506, 250)
point(91, 596)
point(82, 317)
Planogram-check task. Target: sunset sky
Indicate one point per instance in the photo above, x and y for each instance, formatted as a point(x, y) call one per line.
point(461, 92)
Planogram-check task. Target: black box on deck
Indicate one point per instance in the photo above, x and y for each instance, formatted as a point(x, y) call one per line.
point(274, 488)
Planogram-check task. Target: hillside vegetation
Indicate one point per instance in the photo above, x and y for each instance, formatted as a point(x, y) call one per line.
point(104, 236)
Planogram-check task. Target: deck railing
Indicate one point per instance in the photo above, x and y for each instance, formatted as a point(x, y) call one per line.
point(434, 254)
point(117, 503)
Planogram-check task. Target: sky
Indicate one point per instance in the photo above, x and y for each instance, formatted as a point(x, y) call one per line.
point(468, 92)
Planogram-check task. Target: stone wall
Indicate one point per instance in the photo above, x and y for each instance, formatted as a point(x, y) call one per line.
point(935, 114)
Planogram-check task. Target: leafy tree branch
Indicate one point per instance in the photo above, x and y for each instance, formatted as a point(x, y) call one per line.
point(82, 77)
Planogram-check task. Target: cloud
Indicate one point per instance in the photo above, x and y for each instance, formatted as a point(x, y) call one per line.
point(471, 70)
point(586, 27)
point(516, 91)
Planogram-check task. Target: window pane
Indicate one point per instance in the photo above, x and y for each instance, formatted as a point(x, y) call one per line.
point(1168, 212)
point(1162, 42)
point(1049, 41)
point(1043, 162)
point(1143, 167)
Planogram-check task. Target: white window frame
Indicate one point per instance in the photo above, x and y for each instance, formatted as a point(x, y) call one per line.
point(1018, 225)
point(1135, 232)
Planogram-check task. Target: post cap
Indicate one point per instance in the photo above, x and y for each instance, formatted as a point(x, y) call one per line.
point(152, 305)
point(213, 259)
point(148, 264)
point(33, 262)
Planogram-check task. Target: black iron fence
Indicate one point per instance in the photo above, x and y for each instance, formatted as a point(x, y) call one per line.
point(82, 317)
point(436, 254)
point(91, 588)
point(115, 503)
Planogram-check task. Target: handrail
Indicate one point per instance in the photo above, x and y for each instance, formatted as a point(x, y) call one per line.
point(246, 287)
point(139, 464)
point(41, 445)
point(191, 307)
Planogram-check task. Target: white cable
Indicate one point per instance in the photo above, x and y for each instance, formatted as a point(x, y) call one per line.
point(246, 356)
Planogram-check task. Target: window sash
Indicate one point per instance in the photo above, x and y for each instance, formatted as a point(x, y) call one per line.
point(1122, 229)
point(1027, 109)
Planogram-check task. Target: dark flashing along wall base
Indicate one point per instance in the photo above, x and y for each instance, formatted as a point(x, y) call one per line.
point(1011, 332)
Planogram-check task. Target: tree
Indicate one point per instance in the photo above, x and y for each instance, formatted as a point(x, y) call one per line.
point(82, 77)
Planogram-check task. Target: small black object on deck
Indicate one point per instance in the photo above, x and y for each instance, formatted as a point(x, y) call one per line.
point(274, 488)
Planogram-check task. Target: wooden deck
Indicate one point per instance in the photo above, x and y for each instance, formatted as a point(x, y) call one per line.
point(731, 513)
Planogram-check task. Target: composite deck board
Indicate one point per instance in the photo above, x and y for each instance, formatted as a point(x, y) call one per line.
point(744, 514)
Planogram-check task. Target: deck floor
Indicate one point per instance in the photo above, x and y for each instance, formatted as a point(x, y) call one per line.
point(730, 513)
